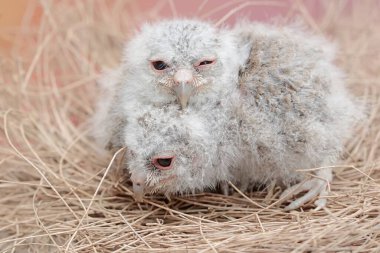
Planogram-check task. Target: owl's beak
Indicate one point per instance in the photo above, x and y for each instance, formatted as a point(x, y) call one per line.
point(183, 88)
point(138, 181)
point(184, 92)
point(138, 192)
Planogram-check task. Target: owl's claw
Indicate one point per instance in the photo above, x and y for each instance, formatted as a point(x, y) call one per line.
point(316, 187)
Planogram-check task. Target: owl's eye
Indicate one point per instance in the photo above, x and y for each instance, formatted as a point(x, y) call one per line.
point(205, 63)
point(159, 65)
point(163, 163)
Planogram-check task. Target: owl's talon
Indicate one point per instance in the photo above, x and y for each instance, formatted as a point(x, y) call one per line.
point(315, 187)
point(321, 201)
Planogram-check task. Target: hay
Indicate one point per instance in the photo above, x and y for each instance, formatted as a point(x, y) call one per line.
point(57, 195)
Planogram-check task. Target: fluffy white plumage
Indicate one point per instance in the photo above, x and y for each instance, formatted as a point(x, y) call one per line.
point(260, 103)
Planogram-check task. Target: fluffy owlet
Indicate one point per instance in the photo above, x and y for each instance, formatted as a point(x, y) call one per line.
point(197, 106)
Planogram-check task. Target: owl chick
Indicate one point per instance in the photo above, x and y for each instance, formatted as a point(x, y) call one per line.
point(182, 61)
point(168, 150)
point(173, 65)
point(196, 106)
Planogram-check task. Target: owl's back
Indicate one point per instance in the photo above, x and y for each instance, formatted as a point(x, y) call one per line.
point(296, 112)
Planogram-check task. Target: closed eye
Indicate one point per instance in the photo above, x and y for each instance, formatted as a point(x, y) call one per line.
point(205, 63)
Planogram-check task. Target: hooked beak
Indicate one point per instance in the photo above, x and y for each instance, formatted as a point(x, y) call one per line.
point(138, 191)
point(138, 187)
point(183, 88)
point(183, 92)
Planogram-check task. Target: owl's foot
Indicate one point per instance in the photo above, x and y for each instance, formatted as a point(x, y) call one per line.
point(315, 187)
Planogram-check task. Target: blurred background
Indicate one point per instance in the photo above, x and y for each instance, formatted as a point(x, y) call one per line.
point(14, 14)
point(67, 42)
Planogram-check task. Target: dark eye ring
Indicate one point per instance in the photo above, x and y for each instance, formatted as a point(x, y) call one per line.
point(159, 65)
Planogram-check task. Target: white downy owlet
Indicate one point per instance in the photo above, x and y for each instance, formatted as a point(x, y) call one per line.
point(196, 106)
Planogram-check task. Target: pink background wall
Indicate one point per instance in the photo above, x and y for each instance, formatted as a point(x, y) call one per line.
point(139, 11)
point(252, 9)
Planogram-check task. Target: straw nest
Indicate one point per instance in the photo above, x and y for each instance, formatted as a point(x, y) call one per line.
point(57, 195)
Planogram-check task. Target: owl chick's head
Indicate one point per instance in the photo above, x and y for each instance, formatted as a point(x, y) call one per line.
point(186, 61)
point(170, 152)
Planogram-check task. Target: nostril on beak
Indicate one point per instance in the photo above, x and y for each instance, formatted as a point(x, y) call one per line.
point(138, 180)
point(183, 76)
point(163, 162)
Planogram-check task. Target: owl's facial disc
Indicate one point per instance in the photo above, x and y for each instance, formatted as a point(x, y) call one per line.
point(185, 82)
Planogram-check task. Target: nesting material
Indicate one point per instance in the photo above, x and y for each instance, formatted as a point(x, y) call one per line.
point(58, 194)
